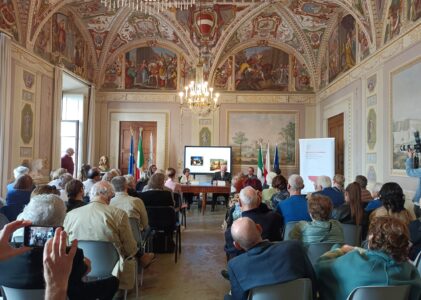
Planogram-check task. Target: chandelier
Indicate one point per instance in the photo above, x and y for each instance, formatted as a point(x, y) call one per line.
point(198, 95)
point(146, 6)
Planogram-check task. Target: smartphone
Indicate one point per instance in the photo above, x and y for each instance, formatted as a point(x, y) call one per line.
point(37, 236)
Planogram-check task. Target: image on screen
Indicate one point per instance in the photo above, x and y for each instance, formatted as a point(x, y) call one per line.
point(196, 160)
point(207, 160)
point(38, 236)
point(215, 164)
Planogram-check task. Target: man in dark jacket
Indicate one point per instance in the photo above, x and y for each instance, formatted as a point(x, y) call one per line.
point(264, 263)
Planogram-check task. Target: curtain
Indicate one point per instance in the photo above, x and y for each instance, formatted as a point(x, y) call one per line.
point(91, 127)
point(5, 108)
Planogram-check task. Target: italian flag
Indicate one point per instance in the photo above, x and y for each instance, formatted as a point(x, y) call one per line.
point(260, 175)
point(140, 158)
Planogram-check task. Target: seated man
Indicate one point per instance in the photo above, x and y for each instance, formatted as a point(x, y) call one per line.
point(324, 187)
point(294, 208)
point(265, 263)
point(155, 195)
point(99, 221)
point(94, 175)
point(223, 175)
point(251, 207)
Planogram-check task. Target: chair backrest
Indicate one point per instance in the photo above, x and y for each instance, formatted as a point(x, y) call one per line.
point(315, 250)
point(3, 220)
point(103, 256)
point(162, 217)
point(299, 289)
point(137, 234)
point(392, 292)
point(288, 228)
point(352, 234)
point(417, 262)
point(21, 294)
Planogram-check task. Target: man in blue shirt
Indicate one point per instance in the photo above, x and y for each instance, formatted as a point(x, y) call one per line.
point(410, 171)
point(294, 208)
point(324, 185)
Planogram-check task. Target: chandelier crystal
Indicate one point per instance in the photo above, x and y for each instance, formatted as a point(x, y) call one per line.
point(198, 95)
point(148, 6)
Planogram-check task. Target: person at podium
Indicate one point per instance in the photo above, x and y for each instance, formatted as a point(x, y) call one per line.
point(222, 175)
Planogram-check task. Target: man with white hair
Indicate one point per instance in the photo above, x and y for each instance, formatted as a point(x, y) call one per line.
point(99, 221)
point(17, 172)
point(251, 207)
point(324, 187)
point(294, 208)
point(265, 263)
point(67, 161)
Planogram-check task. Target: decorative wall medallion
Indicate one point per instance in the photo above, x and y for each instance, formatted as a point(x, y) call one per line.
point(371, 83)
point(28, 79)
point(371, 174)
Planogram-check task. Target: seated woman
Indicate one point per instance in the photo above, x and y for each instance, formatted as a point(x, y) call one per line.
point(171, 183)
point(321, 228)
point(269, 192)
point(393, 199)
point(156, 195)
point(186, 179)
point(26, 270)
point(384, 263)
point(280, 184)
point(351, 212)
point(64, 179)
point(18, 197)
point(75, 192)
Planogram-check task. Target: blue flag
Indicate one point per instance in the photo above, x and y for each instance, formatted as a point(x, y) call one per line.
point(276, 168)
point(131, 157)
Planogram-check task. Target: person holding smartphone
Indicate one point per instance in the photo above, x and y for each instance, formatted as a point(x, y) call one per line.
point(25, 271)
point(412, 172)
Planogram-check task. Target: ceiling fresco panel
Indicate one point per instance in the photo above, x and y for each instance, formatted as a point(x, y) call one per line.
point(8, 18)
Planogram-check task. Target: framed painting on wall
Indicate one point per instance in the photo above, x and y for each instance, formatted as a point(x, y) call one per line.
point(248, 129)
point(405, 110)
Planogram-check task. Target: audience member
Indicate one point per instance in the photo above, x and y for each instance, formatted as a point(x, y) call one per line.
point(99, 221)
point(21, 192)
point(324, 187)
point(376, 203)
point(17, 172)
point(64, 179)
point(252, 208)
point(67, 161)
point(339, 182)
point(294, 208)
point(254, 182)
point(266, 263)
point(322, 228)
point(351, 212)
point(268, 192)
point(250, 173)
point(131, 185)
point(134, 207)
point(281, 185)
point(26, 271)
point(222, 175)
point(108, 176)
point(412, 172)
point(83, 173)
point(171, 182)
point(156, 195)
point(384, 263)
point(75, 192)
point(55, 177)
point(186, 179)
point(94, 175)
point(45, 189)
point(365, 194)
point(7, 251)
point(393, 199)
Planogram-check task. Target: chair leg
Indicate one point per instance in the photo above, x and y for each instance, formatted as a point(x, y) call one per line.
point(136, 278)
point(125, 294)
point(179, 240)
point(141, 276)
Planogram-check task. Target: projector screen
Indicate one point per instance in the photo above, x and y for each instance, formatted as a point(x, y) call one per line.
point(206, 160)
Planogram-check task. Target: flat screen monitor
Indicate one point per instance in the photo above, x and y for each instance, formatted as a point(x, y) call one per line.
point(206, 160)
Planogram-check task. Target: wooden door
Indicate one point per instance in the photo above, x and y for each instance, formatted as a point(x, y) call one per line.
point(148, 129)
point(335, 126)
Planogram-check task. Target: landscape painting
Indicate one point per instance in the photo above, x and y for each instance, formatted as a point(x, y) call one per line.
point(261, 68)
point(406, 111)
point(247, 130)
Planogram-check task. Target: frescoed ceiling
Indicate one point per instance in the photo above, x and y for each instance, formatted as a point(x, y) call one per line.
point(213, 29)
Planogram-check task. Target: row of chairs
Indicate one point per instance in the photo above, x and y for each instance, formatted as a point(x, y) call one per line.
point(301, 289)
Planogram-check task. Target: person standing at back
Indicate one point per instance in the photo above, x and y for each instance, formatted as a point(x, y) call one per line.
point(67, 161)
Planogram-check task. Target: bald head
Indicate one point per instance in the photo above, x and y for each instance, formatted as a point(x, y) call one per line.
point(246, 233)
point(248, 198)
